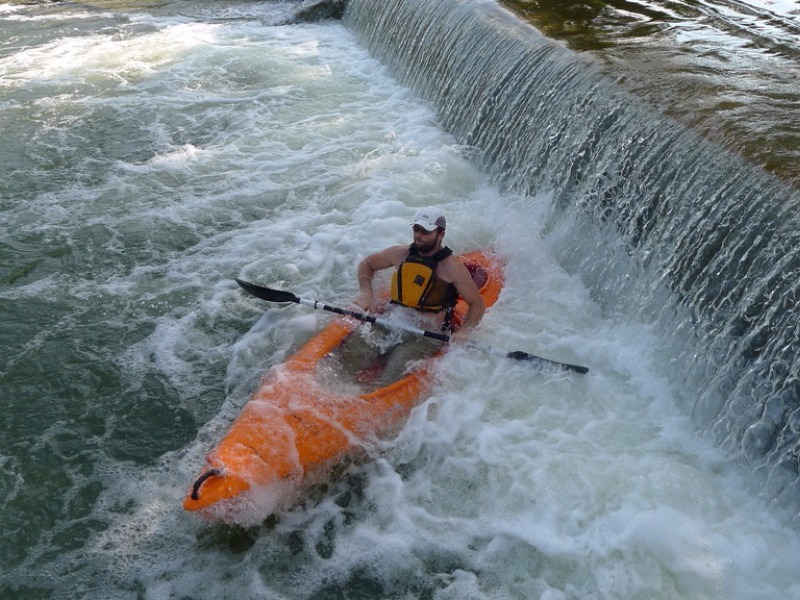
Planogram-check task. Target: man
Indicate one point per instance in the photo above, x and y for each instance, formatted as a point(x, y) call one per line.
point(427, 278)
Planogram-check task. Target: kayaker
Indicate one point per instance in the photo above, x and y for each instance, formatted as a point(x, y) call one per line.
point(427, 278)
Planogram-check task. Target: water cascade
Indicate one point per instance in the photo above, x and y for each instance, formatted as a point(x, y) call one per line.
point(661, 224)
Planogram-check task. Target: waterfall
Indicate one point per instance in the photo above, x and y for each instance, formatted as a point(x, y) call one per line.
point(660, 223)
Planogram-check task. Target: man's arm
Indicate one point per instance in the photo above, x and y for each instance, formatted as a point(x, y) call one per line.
point(365, 272)
point(461, 278)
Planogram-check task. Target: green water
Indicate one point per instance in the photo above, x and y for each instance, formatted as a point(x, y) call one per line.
point(727, 69)
point(151, 152)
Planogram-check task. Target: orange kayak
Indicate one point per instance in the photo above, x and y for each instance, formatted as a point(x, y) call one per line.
point(295, 428)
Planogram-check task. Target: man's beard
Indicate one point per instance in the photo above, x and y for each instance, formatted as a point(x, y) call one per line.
point(427, 246)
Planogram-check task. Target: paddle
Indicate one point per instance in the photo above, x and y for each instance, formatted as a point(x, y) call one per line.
point(271, 295)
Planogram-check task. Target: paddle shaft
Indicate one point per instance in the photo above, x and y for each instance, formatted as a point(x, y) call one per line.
point(271, 295)
point(372, 319)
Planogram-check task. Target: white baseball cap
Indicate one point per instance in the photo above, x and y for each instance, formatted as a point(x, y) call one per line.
point(429, 219)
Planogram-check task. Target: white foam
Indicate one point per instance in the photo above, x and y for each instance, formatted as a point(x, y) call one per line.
point(291, 157)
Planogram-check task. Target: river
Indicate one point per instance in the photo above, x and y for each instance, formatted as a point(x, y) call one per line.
point(152, 152)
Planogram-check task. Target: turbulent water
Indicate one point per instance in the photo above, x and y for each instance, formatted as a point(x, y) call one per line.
point(686, 233)
point(153, 152)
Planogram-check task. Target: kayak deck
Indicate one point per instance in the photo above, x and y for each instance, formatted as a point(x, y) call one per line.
point(295, 428)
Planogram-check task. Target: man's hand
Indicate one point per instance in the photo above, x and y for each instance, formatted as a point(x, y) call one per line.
point(363, 301)
point(461, 336)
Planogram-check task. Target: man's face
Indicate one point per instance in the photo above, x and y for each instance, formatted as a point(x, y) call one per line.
point(424, 240)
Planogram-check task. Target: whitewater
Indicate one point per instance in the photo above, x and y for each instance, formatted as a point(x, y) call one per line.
point(154, 152)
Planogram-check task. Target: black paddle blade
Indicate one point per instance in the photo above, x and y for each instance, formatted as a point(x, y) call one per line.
point(266, 293)
point(520, 355)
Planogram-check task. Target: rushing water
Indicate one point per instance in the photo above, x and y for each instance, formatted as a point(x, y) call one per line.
point(710, 242)
point(150, 155)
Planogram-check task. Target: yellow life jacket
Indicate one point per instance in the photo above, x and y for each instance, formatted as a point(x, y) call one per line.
point(416, 285)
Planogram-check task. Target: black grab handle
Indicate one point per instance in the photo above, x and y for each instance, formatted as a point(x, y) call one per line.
point(201, 479)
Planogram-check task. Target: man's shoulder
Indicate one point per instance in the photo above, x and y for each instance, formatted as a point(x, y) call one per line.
point(397, 250)
point(394, 254)
point(450, 267)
